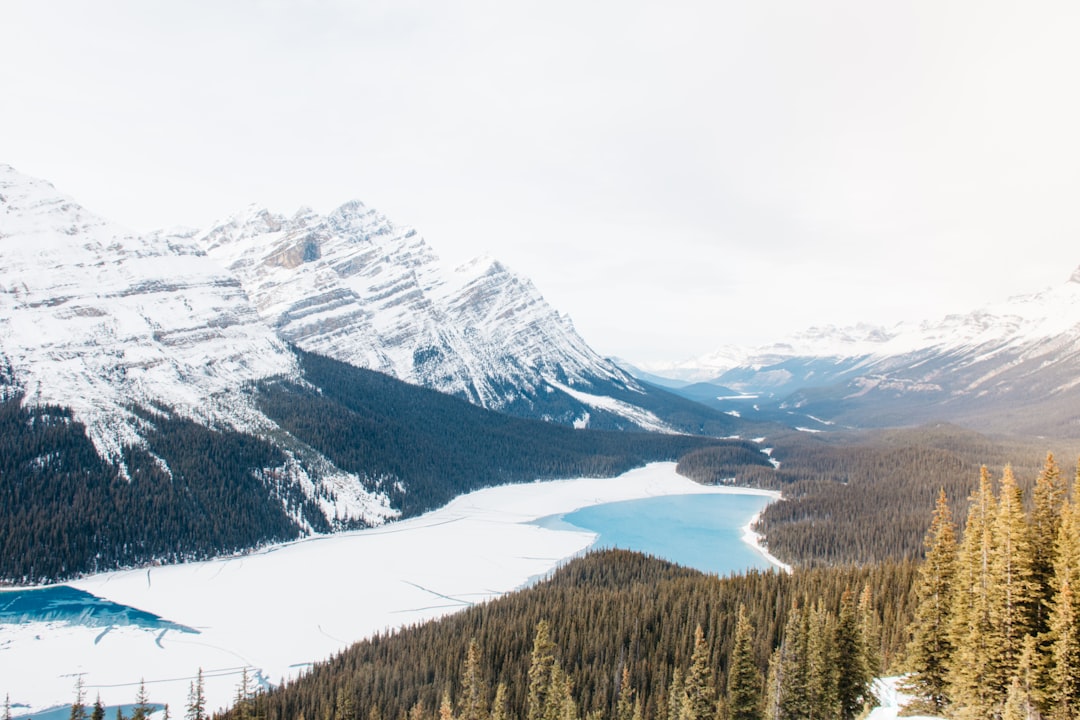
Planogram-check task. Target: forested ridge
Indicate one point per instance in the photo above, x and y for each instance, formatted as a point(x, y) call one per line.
point(996, 631)
point(439, 446)
point(626, 631)
point(192, 492)
point(65, 511)
point(865, 497)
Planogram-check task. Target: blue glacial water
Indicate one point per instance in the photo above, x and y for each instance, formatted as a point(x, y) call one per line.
point(698, 531)
point(61, 603)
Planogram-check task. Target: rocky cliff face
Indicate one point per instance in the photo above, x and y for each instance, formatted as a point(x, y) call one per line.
point(357, 288)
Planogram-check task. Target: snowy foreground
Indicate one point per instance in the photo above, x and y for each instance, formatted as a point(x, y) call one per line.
point(278, 610)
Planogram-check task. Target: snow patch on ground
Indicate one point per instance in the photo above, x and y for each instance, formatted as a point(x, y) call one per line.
point(640, 417)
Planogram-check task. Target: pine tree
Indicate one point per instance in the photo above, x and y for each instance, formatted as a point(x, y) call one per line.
point(7, 706)
point(97, 713)
point(242, 701)
point(676, 695)
point(852, 674)
point(541, 667)
point(500, 707)
point(930, 649)
point(1012, 590)
point(972, 631)
point(700, 695)
point(1046, 512)
point(792, 690)
point(142, 708)
point(446, 707)
point(78, 707)
point(1064, 688)
point(624, 705)
point(473, 691)
point(870, 630)
point(822, 664)
point(744, 677)
point(773, 687)
point(196, 705)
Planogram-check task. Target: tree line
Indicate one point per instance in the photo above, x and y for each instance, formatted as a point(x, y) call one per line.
point(996, 632)
point(636, 637)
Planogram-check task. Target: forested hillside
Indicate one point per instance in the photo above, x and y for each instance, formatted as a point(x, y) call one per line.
point(618, 635)
point(423, 447)
point(64, 510)
point(190, 491)
point(866, 497)
point(996, 631)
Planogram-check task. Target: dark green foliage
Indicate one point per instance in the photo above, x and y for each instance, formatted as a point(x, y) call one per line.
point(608, 611)
point(865, 498)
point(439, 446)
point(66, 511)
point(722, 463)
point(744, 674)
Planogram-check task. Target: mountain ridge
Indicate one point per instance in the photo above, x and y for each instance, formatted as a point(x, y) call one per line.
point(1008, 366)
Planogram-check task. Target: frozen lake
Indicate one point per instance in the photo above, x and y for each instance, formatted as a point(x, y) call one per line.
point(277, 610)
point(698, 531)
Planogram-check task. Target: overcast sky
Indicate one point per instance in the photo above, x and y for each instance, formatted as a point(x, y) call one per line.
point(675, 176)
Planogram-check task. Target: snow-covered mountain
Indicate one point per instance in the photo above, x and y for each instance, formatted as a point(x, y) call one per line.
point(1013, 365)
point(170, 374)
point(104, 321)
point(354, 286)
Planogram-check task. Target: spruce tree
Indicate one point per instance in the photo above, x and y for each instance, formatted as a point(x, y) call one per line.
point(78, 706)
point(7, 706)
point(792, 690)
point(500, 707)
point(446, 706)
point(196, 705)
point(474, 691)
point(1064, 691)
point(744, 677)
point(98, 711)
point(773, 687)
point(822, 663)
point(1046, 512)
point(541, 667)
point(700, 695)
point(242, 701)
point(624, 705)
point(142, 708)
point(870, 630)
point(971, 628)
point(676, 695)
point(852, 675)
point(930, 649)
point(1012, 589)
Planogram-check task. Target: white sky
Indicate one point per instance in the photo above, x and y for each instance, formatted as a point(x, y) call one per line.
point(676, 176)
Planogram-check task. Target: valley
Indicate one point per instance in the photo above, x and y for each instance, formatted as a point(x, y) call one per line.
point(278, 610)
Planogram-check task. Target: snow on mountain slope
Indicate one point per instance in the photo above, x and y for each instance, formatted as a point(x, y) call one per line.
point(1012, 323)
point(100, 319)
point(97, 318)
point(360, 289)
point(1017, 359)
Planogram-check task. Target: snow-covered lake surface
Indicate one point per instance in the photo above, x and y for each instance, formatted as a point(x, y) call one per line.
point(280, 609)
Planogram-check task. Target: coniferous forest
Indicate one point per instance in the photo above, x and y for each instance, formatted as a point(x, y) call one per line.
point(984, 624)
point(191, 492)
point(620, 635)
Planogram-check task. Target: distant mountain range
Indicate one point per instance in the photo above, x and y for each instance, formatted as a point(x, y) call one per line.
point(223, 385)
point(1009, 367)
